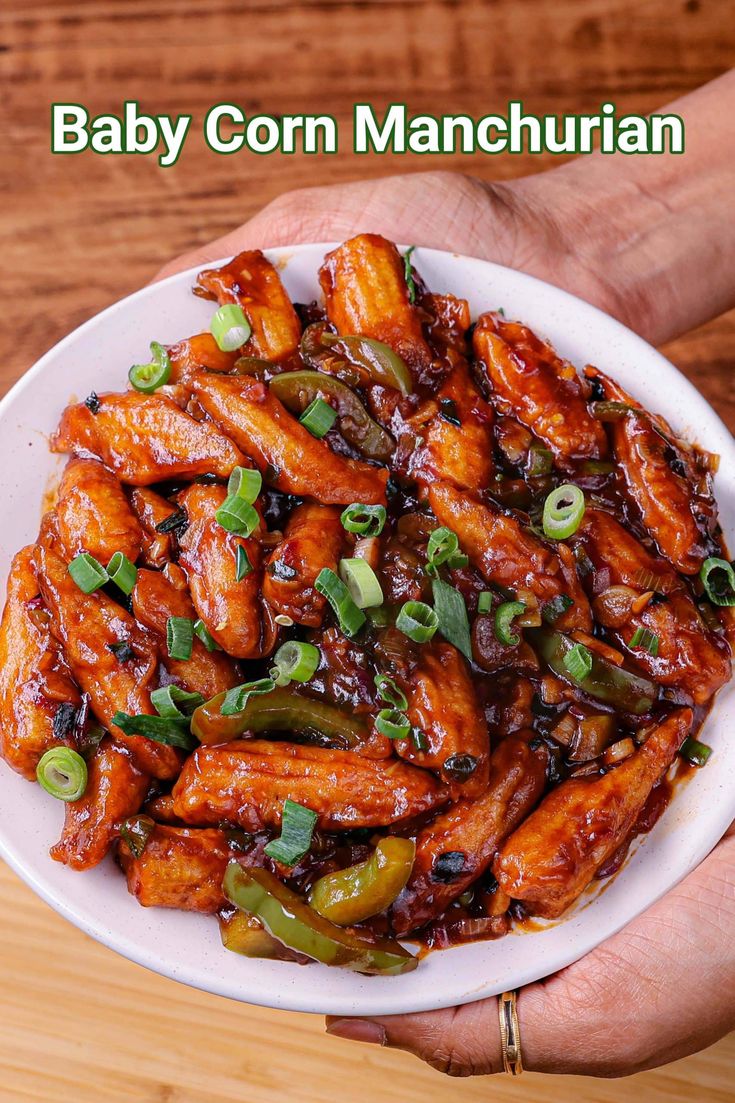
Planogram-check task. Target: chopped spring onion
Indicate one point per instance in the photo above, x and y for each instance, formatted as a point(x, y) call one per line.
point(718, 579)
point(390, 692)
point(610, 411)
point(236, 699)
point(88, 573)
point(392, 723)
point(245, 483)
point(229, 327)
point(177, 522)
point(695, 752)
point(243, 565)
point(202, 633)
point(179, 638)
point(578, 662)
point(451, 613)
point(136, 831)
point(443, 547)
point(167, 699)
point(122, 572)
point(297, 830)
point(645, 640)
point(563, 511)
point(557, 607)
point(365, 520)
point(540, 461)
point(504, 616)
point(297, 661)
point(149, 377)
point(485, 602)
point(419, 740)
point(408, 273)
point(318, 418)
point(418, 621)
point(237, 516)
point(62, 772)
point(161, 729)
point(362, 582)
point(351, 619)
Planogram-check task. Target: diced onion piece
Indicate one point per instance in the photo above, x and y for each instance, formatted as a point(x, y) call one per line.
point(362, 583)
point(62, 772)
point(229, 327)
point(624, 748)
point(563, 511)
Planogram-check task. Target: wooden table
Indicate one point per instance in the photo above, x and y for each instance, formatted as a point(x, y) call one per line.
point(80, 1023)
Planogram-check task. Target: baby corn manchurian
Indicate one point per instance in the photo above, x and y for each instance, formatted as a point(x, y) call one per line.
point(179, 867)
point(152, 510)
point(443, 705)
point(508, 556)
point(312, 540)
point(252, 281)
point(35, 679)
point(544, 391)
point(155, 599)
point(232, 610)
point(552, 857)
point(94, 515)
point(293, 460)
point(365, 292)
point(196, 354)
point(246, 783)
point(473, 828)
point(116, 787)
point(145, 439)
point(89, 625)
point(645, 593)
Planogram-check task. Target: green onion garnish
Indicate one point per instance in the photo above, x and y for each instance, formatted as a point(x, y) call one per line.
point(451, 612)
point(552, 610)
point(62, 772)
point(351, 619)
point(237, 516)
point(243, 566)
point(88, 573)
point(695, 752)
point(718, 579)
point(578, 662)
point(645, 640)
point(485, 602)
point(136, 831)
point(390, 692)
point(202, 633)
point(443, 547)
point(540, 461)
point(362, 582)
point(229, 327)
point(610, 411)
point(504, 616)
point(177, 522)
point(296, 661)
point(236, 699)
point(318, 418)
point(175, 703)
point(122, 572)
point(179, 638)
point(297, 830)
point(408, 273)
point(365, 520)
point(419, 739)
point(418, 621)
point(563, 511)
point(392, 723)
point(245, 483)
point(149, 377)
point(161, 729)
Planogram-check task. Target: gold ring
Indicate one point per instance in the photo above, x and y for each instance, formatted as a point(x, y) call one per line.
point(510, 1034)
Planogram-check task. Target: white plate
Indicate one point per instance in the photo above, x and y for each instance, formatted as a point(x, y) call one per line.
point(187, 947)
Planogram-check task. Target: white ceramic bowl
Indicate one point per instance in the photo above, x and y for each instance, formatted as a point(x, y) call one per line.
point(187, 947)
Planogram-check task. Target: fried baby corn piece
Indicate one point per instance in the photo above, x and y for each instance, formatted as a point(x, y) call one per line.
point(472, 828)
point(152, 510)
point(34, 676)
point(443, 705)
point(88, 625)
point(313, 539)
point(552, 857)
point(231, 610)
point(251, 280)
point(664, 498)
point(115, 789)
point(365, 291)
point(155, 599)
point(688, 656)
point(145, 439)
point(509, 557)
point(543, 390)
point(196, 354)
point(179, 867)
point(94, 515)
point(294, 460)
point(247, 782)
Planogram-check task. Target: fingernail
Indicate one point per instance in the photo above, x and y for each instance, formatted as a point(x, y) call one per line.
point(358, 1030)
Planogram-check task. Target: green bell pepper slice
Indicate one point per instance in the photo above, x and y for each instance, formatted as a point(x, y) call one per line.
point(350, 895)
point(280, 710)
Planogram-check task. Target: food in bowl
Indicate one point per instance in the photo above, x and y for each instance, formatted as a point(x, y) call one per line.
point(360, 622)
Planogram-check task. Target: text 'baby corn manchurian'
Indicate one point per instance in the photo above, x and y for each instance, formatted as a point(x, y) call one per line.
point(354, 621)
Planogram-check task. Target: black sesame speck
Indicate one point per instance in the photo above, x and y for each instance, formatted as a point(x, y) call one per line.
point(448, 866)
point(460, 767)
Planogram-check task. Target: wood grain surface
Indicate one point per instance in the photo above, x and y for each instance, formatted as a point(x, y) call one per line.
point(79, 1023)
